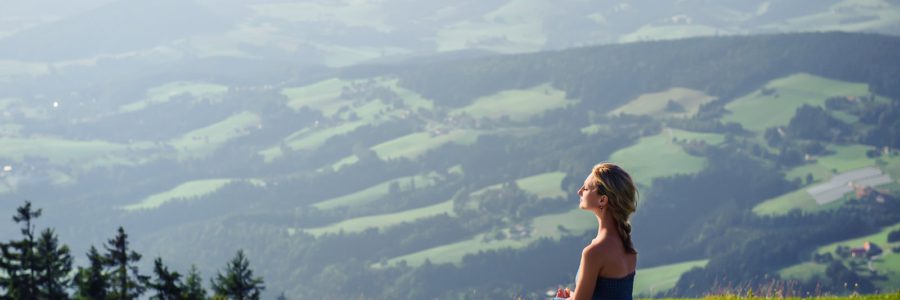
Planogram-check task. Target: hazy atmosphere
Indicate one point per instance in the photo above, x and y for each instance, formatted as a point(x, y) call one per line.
point(403, 149)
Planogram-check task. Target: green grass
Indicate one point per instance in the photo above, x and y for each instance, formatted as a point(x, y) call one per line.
point(803, 272)
point(654, 104)
point(204, 141)
point(545, 185)
point(574, 221)
point(184, 191)
point(667, 32)
point(309, 138)
point(845, 158)
point(58, 150)
point(384, 220)
point(844, 16)
point(415, 144)
point(756, 111)
point(888, 264)
point(164, 92)
point(518, 105)
point(377, 191)
point(649, 281)
point(321, 96)
point(512, 28)
point(657, 156)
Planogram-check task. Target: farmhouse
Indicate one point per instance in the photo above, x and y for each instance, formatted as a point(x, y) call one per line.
point(868, 250)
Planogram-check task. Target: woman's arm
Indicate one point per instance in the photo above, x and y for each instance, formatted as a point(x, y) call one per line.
point(588, 271)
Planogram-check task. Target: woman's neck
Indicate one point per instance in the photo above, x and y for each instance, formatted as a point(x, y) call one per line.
point(606, 226)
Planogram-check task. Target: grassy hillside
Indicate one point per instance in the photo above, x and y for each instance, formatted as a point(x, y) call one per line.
point(646, 158)
point(184, 191)
point(384, 220)
point(775, 103)
point(887, 265)
point(517, 105)
point(649, 281)
point(844, 158)
point(654, 104)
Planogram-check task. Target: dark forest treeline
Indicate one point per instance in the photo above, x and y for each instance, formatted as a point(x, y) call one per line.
point(39, 267)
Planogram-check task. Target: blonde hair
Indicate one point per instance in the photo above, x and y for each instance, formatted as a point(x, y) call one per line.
point(617, 185)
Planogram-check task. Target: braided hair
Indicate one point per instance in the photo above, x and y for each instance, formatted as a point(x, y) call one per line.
point(617, 185)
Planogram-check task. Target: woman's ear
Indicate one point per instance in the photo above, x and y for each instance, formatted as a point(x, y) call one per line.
point(604, 200)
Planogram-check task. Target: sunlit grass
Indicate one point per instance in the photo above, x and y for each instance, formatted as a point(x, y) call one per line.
point(757, 111)
point(164, 92)
point(649, 281)
point(654, 104)
point(518, 105)
point(204, 141)
point(385, 220)
point(657, 156)
point(379, 190)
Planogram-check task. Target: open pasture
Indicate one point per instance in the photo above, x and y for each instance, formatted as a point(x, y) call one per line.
point(204, 141)
point(380, 190)
point(658, 156)
point(518, 105)
point(775, 103)
point(384, 220)
point(654, 104)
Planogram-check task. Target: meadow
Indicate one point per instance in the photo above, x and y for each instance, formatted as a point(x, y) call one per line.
point(384, 220)
point(204, 141)
point(760, 110)
point(161, 94)
point(380, 190)
point(887, 264)
point(654, 104)
point(517, 105)
point(646, 156)
point(844, 158)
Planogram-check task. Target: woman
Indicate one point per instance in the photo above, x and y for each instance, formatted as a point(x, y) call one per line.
point(608, 264)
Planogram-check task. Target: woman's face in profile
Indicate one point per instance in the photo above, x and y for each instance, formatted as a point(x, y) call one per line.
point(588, 194)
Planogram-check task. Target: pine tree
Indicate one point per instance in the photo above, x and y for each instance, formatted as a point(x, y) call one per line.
point(167, 284)
point(238, 282)
point(120, 261)
point(91, 283)
point(193, 286)
point(18, 260)
point(54, 266)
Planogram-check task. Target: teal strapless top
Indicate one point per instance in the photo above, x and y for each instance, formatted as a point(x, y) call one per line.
point(614, 288)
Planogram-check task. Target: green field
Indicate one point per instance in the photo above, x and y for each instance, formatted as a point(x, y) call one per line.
point(657, 156)
point(385, 220)
point(309, 138)
point(204, 141)
point(888, 264)
point(757, 111)
point(518, 105)
point(550, 226)
point(321, 96)
point(667, 32)
point(514, 27)
point(845, 158)
point(59, 151)
point(654, 104)
point(164, 92)
point(377, 191)
point(545, 185)
point(650, 281)
point(415, 144)
point(184, 191)
point(847, 15)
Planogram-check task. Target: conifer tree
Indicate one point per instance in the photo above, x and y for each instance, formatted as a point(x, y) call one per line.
point(119, 261)
point(193, 286)
point(18, 260)
point(167, 284)
point(54, 265)
point(91, 282)
point(238, 282)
